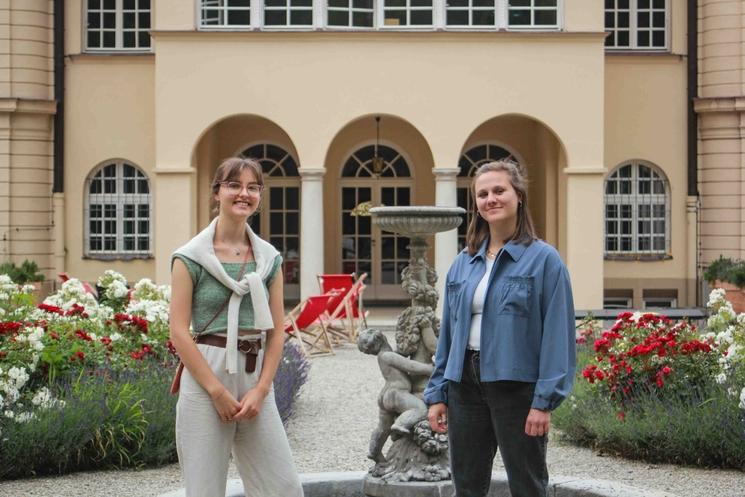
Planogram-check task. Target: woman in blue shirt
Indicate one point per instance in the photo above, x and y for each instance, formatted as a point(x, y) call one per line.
point(505, 356)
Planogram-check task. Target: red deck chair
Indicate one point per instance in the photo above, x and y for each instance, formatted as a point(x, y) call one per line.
point(346, 315)
point(306, 322)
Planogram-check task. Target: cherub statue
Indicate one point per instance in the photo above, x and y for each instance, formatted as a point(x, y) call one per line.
point(400, 409)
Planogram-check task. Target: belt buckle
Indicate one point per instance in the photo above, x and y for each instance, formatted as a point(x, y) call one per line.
point(246, 346)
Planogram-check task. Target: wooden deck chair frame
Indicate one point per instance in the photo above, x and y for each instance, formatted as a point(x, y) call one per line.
point(347, 315)
point(307, 323)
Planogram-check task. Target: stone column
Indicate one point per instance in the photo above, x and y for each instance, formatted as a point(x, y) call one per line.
point(584, 235)
point(446, 243)
point(311, 229)
point(174, 215)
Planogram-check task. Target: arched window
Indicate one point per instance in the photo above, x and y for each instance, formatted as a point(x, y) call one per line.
point(468, 164)
point(360, 163)
point(637, 210)
point(278, 219)
point(118, 209)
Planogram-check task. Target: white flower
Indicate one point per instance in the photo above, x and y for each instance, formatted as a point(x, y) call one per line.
point(117, 290)
point(9, 414)
point(742, 399)
point(115, 337)
point(721, 378)
point(28, 289)
point(42, 397)
point(24, 417)
point(716, 297)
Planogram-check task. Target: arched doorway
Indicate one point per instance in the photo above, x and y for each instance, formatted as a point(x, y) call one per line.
point(278, 218)
point(365, 248)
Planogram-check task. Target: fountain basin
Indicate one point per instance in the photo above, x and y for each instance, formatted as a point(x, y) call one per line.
point(355, 484)
point(417, 220)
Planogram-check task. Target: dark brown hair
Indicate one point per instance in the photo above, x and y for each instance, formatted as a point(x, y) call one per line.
point(478, 229)
point(230, 170)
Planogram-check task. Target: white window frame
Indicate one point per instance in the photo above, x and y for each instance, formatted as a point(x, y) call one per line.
point(287, 8)
point(118, 29)
point(619, 303)
point(380, 9)
point(323, 8)
point(532, 27)
point(439, 10)
point(253, 10)
point(635, 200)
point(633, 29)
point(119, 199)
point(668, 302)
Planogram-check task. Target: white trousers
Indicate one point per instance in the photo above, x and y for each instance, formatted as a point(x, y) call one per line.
point(260, 448)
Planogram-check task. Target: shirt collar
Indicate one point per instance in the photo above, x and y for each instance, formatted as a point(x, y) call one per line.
point(513, 248)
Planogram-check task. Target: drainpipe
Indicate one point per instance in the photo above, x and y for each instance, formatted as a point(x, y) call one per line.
point(693, 132)
point(59, 96)
point(58, 180)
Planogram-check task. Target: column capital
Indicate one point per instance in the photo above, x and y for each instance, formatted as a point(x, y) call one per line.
point(445, 172)
point(310, 173)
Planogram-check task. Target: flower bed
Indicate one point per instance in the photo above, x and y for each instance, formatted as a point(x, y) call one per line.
point(84, 381)
point(659, 390)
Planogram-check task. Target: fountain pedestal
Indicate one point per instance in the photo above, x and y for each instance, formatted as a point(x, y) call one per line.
point(418, 457)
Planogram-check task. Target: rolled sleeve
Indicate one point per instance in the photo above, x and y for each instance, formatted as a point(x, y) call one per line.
point(557, 362)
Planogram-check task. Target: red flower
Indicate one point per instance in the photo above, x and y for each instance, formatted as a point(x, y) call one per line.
point(621, 415)
point(53, 309)
point(77, 310)
point(54, 335)
point(77, 356)
point(83, 335)
point(666, 370)
point(9, 327)
point(106, 341)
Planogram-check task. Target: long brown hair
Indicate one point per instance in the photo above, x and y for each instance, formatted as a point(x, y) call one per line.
point(230, 170)
point(478, 229)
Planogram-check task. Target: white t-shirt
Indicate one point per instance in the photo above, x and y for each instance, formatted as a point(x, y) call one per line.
point(477, 308)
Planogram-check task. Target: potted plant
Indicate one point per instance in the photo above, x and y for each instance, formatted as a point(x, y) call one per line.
point(729, 275)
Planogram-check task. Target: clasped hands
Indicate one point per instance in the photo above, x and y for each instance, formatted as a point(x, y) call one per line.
point(230, 410)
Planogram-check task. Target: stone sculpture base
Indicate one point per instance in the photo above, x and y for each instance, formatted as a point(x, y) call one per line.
point(375, 487)
point(420, 457)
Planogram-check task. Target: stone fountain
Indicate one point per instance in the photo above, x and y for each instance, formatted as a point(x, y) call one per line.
point(416, 454)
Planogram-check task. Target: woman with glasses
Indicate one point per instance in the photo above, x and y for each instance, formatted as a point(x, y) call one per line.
point(227, 284)
point(505, 356)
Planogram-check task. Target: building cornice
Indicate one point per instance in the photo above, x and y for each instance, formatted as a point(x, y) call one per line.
point(719, 104)
point(28, 106)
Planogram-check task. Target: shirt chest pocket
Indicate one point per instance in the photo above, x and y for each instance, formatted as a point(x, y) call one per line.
point(455, 291)
point(514, 296)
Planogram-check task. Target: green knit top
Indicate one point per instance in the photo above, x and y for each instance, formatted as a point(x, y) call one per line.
point(209, 295)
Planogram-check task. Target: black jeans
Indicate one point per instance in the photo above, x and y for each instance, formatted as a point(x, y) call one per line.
point(483, 416)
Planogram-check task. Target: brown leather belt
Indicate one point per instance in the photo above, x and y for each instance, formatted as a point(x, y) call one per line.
point(249, 347)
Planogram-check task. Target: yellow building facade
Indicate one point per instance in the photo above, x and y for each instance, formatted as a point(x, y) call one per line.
point(589, 97)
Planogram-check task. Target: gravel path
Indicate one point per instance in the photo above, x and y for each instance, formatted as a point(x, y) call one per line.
point(336, 414)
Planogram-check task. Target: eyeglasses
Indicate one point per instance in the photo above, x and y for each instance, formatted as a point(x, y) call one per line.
point(235, 188)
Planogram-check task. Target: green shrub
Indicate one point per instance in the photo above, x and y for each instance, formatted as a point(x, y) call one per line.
point(705, 428)
point(106, 419)
point(726, 269)
point(27, 272)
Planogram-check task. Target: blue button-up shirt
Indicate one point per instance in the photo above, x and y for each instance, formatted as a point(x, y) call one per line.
point(527, 325)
